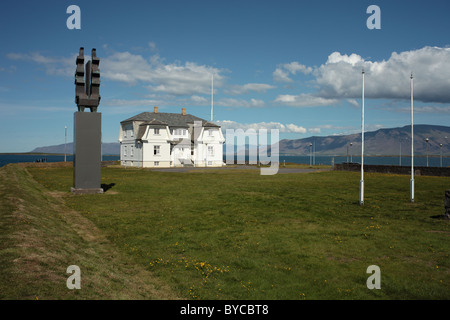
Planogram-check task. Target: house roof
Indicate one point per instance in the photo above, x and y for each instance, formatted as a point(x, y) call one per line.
point(171, 119)
point(141, 132)
point(143, 127)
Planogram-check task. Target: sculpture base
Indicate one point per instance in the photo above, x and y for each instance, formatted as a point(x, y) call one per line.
point(87, 151)
point(87, 191)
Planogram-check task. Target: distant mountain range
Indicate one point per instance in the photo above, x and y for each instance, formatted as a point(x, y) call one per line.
point(379, 142)
point(112, 148)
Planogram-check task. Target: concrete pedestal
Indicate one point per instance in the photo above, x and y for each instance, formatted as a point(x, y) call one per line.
point(87, 153)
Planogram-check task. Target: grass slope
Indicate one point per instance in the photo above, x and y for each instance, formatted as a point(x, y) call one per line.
point(40, 237)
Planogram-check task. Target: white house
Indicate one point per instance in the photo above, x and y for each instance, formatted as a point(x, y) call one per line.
point(154, 139)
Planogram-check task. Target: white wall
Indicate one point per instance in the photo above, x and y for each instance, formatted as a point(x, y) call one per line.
point(133, 155)
point(209, 138)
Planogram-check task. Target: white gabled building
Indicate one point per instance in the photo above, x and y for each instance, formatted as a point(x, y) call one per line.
point(154, 139)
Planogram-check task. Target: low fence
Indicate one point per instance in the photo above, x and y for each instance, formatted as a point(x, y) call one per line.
point(420, 171)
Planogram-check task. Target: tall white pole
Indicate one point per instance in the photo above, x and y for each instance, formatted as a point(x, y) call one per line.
point(412, 139)
point(314, 151)
point(65, 142)
point(361, 195)
point(310, 154)
point(212, 96)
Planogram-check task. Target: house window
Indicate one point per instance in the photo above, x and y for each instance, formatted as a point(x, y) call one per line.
point(210, 133)
point(131, 133)
point(210, 150)
point(131, 151)
point(124, 151)
point(156, 131)
point(124, 133)
point(156, 150)
point(209, 163)
point(179, 132)
point(156, 163)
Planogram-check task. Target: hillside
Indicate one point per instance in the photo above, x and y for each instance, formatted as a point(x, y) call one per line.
point(380, 142)
point(112, 148)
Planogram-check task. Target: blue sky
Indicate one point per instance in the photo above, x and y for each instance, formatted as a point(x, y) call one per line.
point(289, 65)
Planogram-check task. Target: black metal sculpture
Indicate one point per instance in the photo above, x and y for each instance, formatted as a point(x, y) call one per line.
point(87, 82)
point(87, 127)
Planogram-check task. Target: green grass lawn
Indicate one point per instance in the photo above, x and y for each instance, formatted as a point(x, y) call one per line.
point(234, 234)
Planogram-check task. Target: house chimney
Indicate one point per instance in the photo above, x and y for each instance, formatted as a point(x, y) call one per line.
point(155, 110)
point(183, 111)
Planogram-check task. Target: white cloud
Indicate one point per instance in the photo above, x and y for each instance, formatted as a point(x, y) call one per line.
point(333, 128)
point(152, 46)
point(246, 88)
point(304, 100)
point(188, 78)
point(283, 71)
point(280, 75)
point(314, 130)
point(53, 66)
point(426, 109)
point(288, 128)
point(296, 129)
point(354, 103)
point(132, 103)
point(295, 67)
point(230, 102)
point(340, 77)
point(352, 59)
point(174, 78)
point(199, 100)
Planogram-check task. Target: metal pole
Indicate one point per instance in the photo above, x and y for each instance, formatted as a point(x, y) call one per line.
point(351, 152)
point(427, 140)
point(361, 195)
point(412, 139)
point(310, 154)
point(314, 152)
point(212, 96)
point(440, 145)
point(347, 153)
point(65, 143)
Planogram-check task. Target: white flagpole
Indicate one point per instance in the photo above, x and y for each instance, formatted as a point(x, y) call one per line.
point(212, 96)
point(361, 195)
point(65, 143)
point(412, 139)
